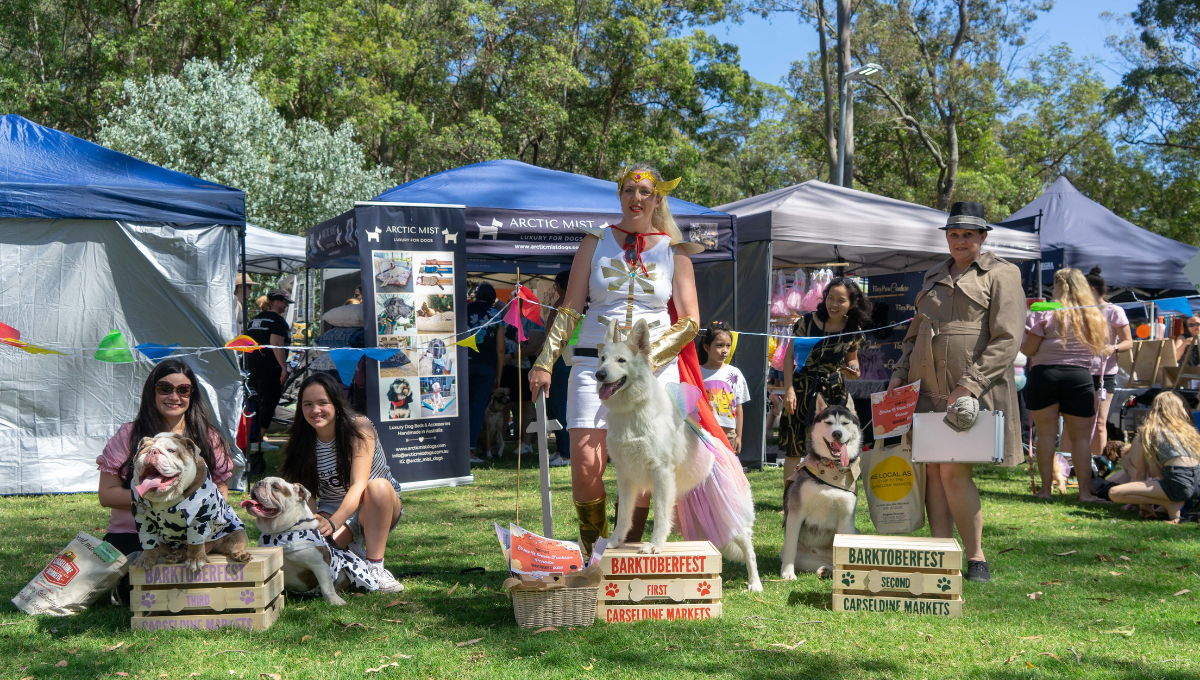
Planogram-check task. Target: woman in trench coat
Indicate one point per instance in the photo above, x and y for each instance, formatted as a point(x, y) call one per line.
point(963, 340)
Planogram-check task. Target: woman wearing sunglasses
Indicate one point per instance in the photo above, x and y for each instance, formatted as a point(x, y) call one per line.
point(170, 403)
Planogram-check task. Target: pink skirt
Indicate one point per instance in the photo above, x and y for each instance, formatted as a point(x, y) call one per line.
point(721, 506)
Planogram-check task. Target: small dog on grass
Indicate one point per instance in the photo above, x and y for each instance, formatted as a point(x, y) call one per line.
point(655, 448)
point(176, 505)
point(495, 421)
point(824, 494)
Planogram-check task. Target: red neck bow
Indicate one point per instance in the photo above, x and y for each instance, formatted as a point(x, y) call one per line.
point(634, 245)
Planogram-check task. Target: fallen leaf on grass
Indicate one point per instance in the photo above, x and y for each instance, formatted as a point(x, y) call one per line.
point(114, 647)
point(1103, 558)
point(14, 623)
point(468, 643)
point(451, 592)
point(1032, 637)
point(1185, 591)
point(1010, 550)
point(1051, 655)
point(1118, 631)
point(61, 664)
point(1055, 582)
point(395, 603)
point(787, 647)
point(1034, 596)
point(587, 667)
point(545, 629)
point(1069, 520)
point(392, 620)
point(353, 624)
point(271, 676)
point(306, 638)
point(1117, 573)
point(386, 665)
point(122, 674)
point(1069, 552)
point(1028, 665)
point(1124, 558)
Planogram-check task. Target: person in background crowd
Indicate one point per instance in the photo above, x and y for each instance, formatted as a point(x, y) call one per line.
point(844, 309)
point(267, 368)
point(1061, 345)
point(962, 342)
point(355, 299)
point(336, 454)
point(559, 377)
point(522, 353)
point(171, 402)
point(241, 289)
point(1104, 368)
point(483, 375)
point(1164, 457)
point(725, 384)
point(1187, 346)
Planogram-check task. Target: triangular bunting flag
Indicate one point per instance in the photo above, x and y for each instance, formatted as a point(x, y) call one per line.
point(9, 335)
point(381, 353)
point(732, 346)
point(242, 343)
point(1045, 306)
point(155, 352)
point(114, 349)
point(513, 318)
point(801, 348)
point(469, 342)
point(1179, 305)
point(32, 349)
point(346, 360)
point(532, 310)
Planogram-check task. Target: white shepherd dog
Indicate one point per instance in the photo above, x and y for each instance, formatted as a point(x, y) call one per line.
point(656, 448)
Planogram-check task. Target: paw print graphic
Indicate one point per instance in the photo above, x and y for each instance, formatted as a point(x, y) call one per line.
point(943, 584)
point(703, 588)
point(247, 596)
point(148, 600)
point(611, 590)
point(847, 579)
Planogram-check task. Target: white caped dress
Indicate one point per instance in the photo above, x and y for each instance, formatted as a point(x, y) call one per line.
point(618, 290)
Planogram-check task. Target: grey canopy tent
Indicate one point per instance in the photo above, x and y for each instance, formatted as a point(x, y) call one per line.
point(1090, 234)
point(270, 252)
point(91, 241)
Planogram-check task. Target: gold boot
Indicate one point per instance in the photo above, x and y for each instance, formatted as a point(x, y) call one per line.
point(593, 524)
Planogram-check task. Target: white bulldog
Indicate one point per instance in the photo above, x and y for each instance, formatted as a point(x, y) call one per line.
point(176, 504)
point(281, 511)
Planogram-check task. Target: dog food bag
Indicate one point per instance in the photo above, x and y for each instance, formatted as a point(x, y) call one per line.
point(895, 488)
point(76, 577)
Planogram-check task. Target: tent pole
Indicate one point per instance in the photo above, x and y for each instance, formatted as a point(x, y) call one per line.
point(520, 414)
point(245, 312)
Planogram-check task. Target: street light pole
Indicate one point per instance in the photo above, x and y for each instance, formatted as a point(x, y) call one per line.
point(860, 73)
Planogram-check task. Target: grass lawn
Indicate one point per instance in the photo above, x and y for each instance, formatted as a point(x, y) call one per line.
point(1096, 619)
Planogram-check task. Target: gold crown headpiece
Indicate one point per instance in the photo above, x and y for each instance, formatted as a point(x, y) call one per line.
point(660, 188)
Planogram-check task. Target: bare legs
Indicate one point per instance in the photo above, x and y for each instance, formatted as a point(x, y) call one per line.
point(589, 459)
point(952, 500)
point(377, 514)
point(1100, 431)
point(1146, 492)
point(1079, 432)
point(1046, 422)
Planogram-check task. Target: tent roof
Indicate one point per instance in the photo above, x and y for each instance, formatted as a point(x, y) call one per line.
point(513, 185)
point(270, 252)
point(815, 223)
point(48, 174)
point(1090, 235)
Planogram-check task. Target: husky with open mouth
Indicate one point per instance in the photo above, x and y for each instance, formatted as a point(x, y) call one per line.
point(176, 505)
point(824, 493)
point(656, 448)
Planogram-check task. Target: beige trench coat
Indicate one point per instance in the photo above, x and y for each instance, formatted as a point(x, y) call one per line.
point(967, 332)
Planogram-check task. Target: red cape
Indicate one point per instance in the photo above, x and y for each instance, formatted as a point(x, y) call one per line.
point(689, 372)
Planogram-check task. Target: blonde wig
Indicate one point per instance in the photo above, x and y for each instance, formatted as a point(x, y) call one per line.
point(1081, 316)
point(1168, 413)
point(661, 218)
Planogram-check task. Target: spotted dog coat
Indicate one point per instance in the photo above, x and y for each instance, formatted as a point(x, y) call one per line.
point(201, 517)
point(341, 562)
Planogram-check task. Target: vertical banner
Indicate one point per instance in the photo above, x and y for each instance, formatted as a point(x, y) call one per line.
point(414, 297)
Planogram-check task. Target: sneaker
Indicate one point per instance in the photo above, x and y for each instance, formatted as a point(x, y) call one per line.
point(526, 449)
point(557, 461)
point(387, 582)
point(476, 461)
point(978, 571)
point(265, 445)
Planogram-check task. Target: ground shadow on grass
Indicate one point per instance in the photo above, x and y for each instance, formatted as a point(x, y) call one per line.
point(810, 598)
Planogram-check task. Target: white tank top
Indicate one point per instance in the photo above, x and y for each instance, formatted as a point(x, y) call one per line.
point(620, 291)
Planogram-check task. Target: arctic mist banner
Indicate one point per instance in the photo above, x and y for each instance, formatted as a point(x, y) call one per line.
point(414, 283)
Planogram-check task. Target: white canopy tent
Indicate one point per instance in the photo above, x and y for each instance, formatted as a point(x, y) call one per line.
point(815, 223)
point(270, 252)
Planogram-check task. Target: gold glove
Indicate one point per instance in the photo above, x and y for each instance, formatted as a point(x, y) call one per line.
point(667, 347)
point(557, 338)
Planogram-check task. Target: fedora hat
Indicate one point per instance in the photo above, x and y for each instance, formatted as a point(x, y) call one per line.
point(966, 215)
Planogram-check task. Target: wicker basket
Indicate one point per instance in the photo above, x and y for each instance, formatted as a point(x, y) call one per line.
point(555, 607)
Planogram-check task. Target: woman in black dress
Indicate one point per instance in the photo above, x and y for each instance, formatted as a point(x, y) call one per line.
point(844, 309)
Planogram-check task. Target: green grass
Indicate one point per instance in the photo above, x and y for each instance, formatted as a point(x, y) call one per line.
point(1002, 634)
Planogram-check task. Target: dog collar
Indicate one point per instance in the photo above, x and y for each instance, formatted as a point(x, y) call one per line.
point(832, 474)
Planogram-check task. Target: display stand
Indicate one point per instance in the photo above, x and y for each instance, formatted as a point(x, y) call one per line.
point(223, 593)
point(899, 574)
point(683, 583)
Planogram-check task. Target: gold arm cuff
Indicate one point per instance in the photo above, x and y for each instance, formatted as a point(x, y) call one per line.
point(557, 338)
point(667, 347)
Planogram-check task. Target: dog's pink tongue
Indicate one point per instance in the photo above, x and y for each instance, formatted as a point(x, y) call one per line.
point(606, 390)
point(840, 449)
point(250, 503)
point(148, 484)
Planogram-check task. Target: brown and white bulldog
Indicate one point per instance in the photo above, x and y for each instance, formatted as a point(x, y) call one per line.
point(310, 563)
point(176, 504)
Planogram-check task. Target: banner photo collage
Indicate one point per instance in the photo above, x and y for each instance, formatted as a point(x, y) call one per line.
point(411, 259)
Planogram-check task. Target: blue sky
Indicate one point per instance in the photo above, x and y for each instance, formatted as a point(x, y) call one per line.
point(768, 46)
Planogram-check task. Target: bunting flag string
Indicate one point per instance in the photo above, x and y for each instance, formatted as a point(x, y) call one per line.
point(155, 352)
point(801, 348)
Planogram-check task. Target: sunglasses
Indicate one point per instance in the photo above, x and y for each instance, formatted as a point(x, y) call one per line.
point(164, 388)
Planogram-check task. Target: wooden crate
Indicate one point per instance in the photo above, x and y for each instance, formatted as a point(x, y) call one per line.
point(222, 593)
point(900, 574)
point(683, 583)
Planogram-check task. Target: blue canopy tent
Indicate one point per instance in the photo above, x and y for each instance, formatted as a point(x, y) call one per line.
point(1090, 234)
point(92, 240)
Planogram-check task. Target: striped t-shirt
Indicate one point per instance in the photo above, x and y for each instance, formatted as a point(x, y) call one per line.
point(330, 491)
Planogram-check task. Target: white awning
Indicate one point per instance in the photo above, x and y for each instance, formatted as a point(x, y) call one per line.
point(270, 252)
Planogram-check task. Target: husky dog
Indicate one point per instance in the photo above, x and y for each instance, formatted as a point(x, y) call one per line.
point(824, 494)
point(653, 448)
point(495, 419)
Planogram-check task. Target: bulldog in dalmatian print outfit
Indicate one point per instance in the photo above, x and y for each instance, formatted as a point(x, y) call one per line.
point(176, 505)
point(310, 563)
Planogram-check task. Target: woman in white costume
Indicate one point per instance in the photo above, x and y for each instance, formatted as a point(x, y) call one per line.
point(623, 273)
